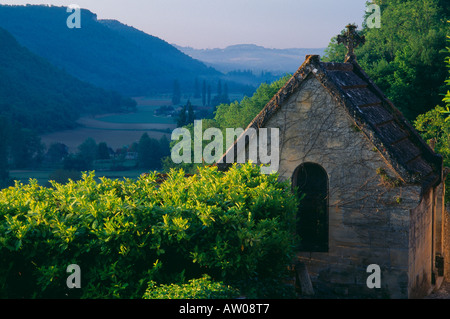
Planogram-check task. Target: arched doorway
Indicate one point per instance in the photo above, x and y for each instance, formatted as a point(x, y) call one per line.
point(311, 181)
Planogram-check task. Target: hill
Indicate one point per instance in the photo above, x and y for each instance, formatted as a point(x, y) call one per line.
point(39, 96)
point(252, 57)
point(107, 54)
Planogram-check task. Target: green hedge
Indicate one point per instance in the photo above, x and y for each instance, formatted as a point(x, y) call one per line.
point(129, 236)
point(202, 288)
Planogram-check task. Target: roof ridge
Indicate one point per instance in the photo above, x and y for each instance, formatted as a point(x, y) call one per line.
point(335, 77)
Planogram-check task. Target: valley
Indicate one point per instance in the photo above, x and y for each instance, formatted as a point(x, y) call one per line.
point(117, 130)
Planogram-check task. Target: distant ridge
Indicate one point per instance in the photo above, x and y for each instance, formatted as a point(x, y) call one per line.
point(252, 57)
point(106, 53)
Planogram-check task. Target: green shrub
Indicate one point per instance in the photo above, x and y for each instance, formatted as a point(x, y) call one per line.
point(202, 288)
point(234, 226)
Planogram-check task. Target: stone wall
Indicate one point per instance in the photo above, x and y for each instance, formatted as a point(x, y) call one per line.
point(420, 248)
point(368, 210)
point(446, 242)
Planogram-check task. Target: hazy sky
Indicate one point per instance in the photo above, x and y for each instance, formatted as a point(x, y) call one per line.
point(219, 23)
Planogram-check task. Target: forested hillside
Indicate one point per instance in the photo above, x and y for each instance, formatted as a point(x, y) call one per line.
point(38, 96)
point(104, 53)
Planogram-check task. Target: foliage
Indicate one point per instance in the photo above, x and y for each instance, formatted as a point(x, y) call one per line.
point(19, 147)
point(201, 288)
point(56, 152)
point(447, 81)
point(103, 52)
point(87, 150)
point(182, 119)
point(234, 226)
point(240, 114)
point(404, 56)
point(232, 115)
point(335, 52)
point(74, 162)
point(222, 95)
point(176, 95)
point(151, 150)
point(186, 118)
point(26, 148)
point(38, 96)
point(102, 151)
point(204, 93)
point(4, 139)
point(434, 126)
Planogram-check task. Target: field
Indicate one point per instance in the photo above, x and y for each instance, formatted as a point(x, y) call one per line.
point(117, 130)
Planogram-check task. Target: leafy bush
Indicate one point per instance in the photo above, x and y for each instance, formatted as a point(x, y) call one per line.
point(202, 288)
point(126, 236)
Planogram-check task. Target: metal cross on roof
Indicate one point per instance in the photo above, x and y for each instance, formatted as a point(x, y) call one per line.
point(351, 39)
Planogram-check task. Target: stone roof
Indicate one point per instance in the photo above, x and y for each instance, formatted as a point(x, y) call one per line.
point(376, 116)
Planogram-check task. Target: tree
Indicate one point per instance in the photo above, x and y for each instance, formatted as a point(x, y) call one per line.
point(447, 81)
point(57, 152)
point(87, 151)
point(149, 152)
point(182, 117)
point(240, 114)
point(26, 147)
point(219, 88)
point(74, 162)
point(196, 89)
point(225, 93)
point(434, 125)
point(209, 95)
point(102, 151)
point(4, 137)
point(404, 56)
point(164, 145)
point(335, 52)
point(234, 115)
point(191, 115)
point(204, 93)
point(176, 95)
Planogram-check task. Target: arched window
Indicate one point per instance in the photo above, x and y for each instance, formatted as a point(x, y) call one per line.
point(311, 181)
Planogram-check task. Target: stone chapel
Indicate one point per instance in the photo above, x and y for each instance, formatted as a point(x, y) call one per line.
point(373, 190)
